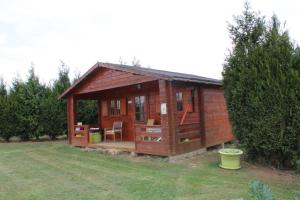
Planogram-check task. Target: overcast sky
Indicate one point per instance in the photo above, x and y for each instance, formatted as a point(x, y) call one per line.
point(185, 36)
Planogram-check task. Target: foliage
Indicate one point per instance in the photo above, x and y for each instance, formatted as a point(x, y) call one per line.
point(58, 108)
point(5, 130)
point(298, 166)
point(27, 98)
point(87, 110)
point(262, 89)
point(31, 109)
point(260, 191)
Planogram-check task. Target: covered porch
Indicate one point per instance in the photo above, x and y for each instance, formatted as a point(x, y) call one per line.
point(133, 104)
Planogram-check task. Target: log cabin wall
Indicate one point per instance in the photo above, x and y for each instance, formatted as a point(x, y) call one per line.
point(163, 144)
point(217, 127)
point(188, 135)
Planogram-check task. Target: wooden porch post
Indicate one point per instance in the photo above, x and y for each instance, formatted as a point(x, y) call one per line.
point(71, 117)
point(167, 120)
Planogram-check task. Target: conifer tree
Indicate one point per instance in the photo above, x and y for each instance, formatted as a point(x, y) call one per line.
point(262, 89)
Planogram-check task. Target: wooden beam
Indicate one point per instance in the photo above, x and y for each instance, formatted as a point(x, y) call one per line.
point(71, 117)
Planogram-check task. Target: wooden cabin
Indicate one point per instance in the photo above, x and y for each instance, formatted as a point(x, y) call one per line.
point(188, 112)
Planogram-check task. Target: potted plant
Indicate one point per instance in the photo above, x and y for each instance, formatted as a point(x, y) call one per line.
point(230, 158)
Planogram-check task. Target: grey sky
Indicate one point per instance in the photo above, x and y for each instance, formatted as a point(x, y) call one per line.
point(185, 36)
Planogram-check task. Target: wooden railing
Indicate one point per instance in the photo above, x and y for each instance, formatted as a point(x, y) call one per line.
point(81, 135)
point(149, 139)
point(188, 137)
point(188, 132)
point(148, 133)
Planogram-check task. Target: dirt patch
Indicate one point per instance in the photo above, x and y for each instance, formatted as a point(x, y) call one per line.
point(272, 173)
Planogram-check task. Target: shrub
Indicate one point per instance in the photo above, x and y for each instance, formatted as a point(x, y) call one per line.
point(298, 166)
point(262, 89)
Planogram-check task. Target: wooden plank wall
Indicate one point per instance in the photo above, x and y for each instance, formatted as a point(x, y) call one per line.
point(216, 126)
point(107, 79)
point(187, 135)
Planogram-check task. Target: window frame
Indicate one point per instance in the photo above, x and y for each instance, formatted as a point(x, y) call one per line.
point(114, 107)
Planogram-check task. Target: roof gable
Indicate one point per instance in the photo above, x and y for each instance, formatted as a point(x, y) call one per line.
point(151, 74)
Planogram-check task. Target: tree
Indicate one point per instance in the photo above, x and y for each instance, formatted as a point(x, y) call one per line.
point(87, 110)
point(26, 98)
point(55, 117)
point(5, 132)
point(262, 89)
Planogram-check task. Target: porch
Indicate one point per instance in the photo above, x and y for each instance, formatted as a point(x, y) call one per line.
point(125, 146)
point(134, 106)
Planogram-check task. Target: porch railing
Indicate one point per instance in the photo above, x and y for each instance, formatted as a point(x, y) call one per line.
point(149, 139)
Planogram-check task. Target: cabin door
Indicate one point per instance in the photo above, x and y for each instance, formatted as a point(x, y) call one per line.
point(137, 113)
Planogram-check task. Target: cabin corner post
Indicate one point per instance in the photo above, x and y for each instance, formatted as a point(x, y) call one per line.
point(167, 119)
point(71, 116)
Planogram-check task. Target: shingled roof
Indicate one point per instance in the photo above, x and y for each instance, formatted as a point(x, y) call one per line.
point(160, 74)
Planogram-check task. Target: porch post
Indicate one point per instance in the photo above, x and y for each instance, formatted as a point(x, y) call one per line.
point(99, 112)
point(167, 120)
point(71, 117)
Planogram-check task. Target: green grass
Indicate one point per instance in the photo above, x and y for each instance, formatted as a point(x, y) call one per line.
point(58, 171)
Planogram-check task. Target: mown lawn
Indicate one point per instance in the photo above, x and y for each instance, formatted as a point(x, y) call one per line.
point(57, 171)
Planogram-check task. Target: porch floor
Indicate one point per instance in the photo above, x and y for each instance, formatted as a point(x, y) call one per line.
point(122, 146)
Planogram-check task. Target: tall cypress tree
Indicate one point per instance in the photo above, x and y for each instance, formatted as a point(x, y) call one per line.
point(262, 89)
point(5, 132)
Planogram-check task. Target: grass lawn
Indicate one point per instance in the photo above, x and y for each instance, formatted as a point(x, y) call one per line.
point(57, 171)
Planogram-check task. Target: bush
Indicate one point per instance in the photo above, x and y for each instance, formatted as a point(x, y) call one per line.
point(261, 191)
point(298, 166)
point(262, 89)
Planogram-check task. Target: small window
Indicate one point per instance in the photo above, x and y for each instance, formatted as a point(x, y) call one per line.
point(179, 101)
point(139, 108)
point(118, 107)
point(115, 107)
point(112, 107)
point(192, 101)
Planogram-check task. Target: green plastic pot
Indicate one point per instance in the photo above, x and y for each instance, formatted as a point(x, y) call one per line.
point(230, 158)
point(95, 138)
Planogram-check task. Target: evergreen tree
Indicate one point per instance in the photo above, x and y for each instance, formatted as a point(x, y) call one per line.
point(87, 110)
point(5, 132)
point(57, 109)
point(262, 89)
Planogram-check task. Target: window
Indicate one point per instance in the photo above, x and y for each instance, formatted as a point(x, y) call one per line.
point(192, 101)
point(139, 108)
point(115, 107)
point(179, 101)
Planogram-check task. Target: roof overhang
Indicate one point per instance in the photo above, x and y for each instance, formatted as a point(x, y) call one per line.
point(140, 71)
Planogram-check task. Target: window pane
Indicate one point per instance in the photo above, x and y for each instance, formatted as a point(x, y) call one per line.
point(112, 107)
point(179, 102)
point(118, 108)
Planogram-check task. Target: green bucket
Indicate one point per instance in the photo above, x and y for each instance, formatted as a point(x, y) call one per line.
point(230, 158)
point(95, 138)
